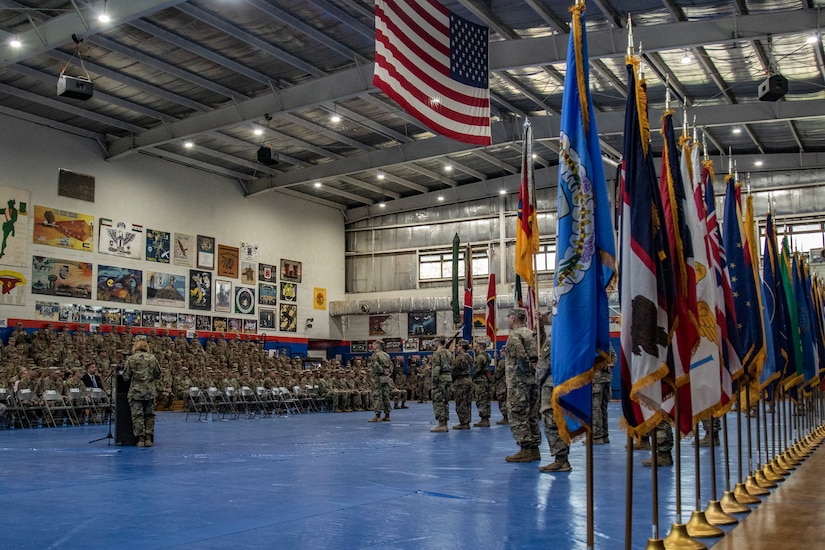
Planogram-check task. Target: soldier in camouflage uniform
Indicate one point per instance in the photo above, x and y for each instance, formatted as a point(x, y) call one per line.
point(499, 389)
point(142, 370)
point(463, 386)
point(522, 388)
point(558, 448)
point(400, 392)
point(481, 383)
point(380, 368)
point(602, 384)
point(663, 432)
point(442, 380)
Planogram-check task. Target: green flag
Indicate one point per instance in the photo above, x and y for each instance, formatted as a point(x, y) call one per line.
point(456, 314)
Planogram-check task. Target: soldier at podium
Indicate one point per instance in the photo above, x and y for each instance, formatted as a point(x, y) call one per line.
point(142, 370)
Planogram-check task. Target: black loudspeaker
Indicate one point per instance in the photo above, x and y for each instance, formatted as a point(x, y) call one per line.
point(75, 87)
point(267, 157)
point(774, 88)
point(124, 432)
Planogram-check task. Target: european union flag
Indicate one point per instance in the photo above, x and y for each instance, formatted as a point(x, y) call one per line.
point(585, 247)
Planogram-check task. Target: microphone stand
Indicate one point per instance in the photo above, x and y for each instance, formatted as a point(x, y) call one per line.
point(110, 378)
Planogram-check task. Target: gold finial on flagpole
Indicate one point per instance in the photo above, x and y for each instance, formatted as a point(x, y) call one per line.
point(685, 129)
point(730, 161)
point(667, 93)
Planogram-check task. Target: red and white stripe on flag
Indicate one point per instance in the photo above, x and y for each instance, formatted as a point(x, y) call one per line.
point(434, 64)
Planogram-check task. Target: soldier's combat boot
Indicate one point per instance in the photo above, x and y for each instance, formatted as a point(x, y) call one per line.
point(395, 406)
point(502, 422)
point(376, 418)
point(148, 440)
point(643, 445)
point(560, 465)
point(524, 455)
point(404, 405)
point(535, 453)
point(662, 459)
point(386, 418)
point(140, 442)
point(462, 426)
point(442, 427)
point(483, 423)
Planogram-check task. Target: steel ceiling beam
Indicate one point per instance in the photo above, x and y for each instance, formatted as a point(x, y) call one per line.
point(370, 187)
point(197, 49)
point(432, 175)
point(67, 107)
point(249, 39)
point(345, 194)
point(364, 30)
point(252, 145)
point(406, 183)
point(198, 164)
point(186, 76)
point(495, 162)
point(543, 128)
point(503, 55)
point(332, 134)
point(304, 28)
point(366, 121)
point(58, 31)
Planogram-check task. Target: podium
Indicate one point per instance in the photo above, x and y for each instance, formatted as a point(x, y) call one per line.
point(124, 432)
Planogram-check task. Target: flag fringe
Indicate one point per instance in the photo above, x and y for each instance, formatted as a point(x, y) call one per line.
point(577, 38)
point(560, 412)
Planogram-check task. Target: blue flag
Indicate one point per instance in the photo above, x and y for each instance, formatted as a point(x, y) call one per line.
point(586, 250)
point(776, 336)
point(745, 297)
point(803, 312)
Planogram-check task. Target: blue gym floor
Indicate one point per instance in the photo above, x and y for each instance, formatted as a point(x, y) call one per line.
point(322, 480)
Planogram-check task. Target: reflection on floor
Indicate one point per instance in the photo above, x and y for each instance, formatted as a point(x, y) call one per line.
point(326, 480)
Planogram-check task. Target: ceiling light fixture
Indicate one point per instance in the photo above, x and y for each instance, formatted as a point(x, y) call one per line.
point(382, 205)
point(188, 144)
point(535, 156)
point(737, 130)
point(502, 192)
point(812, 39)
point(441, 198)
point(687, 59)
point(759, 163)
point(317, 184)
point(257, 131)
point(335, 118)
point(380, 175)
point(104, 17)
point(448, 167)
point(15, 42)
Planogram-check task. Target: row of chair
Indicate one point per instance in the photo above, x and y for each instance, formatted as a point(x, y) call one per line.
point(26, 409)
point(253, 402)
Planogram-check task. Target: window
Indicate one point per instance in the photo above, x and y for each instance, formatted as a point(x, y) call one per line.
point(546, 258)
point(435, 266)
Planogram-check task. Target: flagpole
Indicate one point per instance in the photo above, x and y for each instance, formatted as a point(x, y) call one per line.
point(740, 491)
point(699, 526)
point(679, 536)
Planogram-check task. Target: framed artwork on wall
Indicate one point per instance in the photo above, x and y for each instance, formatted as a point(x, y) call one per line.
point(244, 300)
point(248, 273)
point(290, 271)
point(223, 295)
point(64, 229)
point(206, 252)
point(203, 322)
point(228, 261)
point(289, 318)
point(200, 290)
point(421, 323)
point(267, 294)
point(119, 284)
point(157, 246)
point(267, 319)
point(182, 249)
point(219, 324)
point(289, 292)
point(267, 273)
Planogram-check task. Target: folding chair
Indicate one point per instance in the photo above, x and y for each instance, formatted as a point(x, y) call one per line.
point(290, 404)
point(196, 403)
point(304, 400)
point(12, 410)
point(230, 400)
point(216, 402)
point(100, 406)
point(80, 405)
point(58, 409)
point(265, 401)
point(31, 410)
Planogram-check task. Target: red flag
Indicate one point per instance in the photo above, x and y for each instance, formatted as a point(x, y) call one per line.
point(434, 64)
point(492, 329)
point(467, 332)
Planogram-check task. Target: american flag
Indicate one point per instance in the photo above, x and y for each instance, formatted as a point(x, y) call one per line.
point(434, 64)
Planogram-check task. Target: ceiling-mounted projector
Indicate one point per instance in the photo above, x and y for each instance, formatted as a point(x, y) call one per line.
point(774, 88)
point(75, 87)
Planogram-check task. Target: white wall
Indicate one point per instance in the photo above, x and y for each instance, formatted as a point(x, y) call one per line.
point(161, 195)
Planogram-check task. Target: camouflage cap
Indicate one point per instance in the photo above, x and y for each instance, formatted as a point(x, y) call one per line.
point(463, 343)
point(518, 312)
